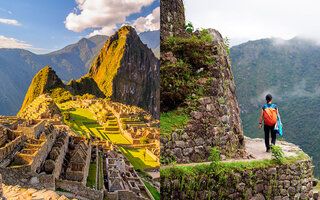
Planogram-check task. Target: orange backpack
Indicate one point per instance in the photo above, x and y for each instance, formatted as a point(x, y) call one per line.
point(270, 114)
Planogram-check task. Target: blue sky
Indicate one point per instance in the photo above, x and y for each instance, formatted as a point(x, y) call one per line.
point(42, 26)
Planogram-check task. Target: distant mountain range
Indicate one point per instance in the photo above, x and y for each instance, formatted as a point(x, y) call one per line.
point(290, 71)
point(18, 66)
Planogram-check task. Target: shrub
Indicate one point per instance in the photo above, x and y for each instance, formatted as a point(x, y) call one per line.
point(277, 154)
point(189, 27)
point(214, 155)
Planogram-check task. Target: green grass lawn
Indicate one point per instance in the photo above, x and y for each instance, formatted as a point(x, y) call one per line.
point(153, 191)
point(91, 180)
point(117, 138)
point(137, 158)
point(172, 120)
point(100, 178)
point(94, 131)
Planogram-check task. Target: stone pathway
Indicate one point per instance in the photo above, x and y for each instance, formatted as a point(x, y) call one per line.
point(256, 150)
point(16, 193)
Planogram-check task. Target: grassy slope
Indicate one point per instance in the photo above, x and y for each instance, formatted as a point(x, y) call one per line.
point(91, 181)
point(138, 159)
point(153, 191)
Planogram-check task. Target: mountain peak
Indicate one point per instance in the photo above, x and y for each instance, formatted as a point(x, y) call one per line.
point(127, 71)
point(44, 80)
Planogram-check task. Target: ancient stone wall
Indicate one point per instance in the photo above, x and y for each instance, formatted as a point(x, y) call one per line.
point(23, 176)
point(34, 129)
point(287, 181)
point(78, 187)
point(213, 105)
point(172, 18)
point(58, 162)
point(6, 150)
point(42, 154)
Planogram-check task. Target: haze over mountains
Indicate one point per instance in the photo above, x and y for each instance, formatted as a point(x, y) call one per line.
point(18, 67)
point(290, 71)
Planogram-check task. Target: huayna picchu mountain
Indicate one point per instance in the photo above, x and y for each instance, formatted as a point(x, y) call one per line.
point(19, 66)
point(125, 70)
point(45, 80)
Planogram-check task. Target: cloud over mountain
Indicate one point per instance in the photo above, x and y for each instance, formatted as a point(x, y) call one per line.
point(102, 14)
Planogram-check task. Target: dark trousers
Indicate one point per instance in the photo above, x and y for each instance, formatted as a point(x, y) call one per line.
point(267, 129)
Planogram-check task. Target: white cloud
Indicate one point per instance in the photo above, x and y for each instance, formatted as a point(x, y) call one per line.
point(102, 14)
point(13, 43)
point(10, 21)
point(6, 42)
point(149, 23)
point(251, 19)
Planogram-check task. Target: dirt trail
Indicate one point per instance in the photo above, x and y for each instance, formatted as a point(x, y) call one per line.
point(256, 150)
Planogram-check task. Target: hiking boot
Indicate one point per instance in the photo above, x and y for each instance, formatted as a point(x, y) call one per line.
point(268, 150)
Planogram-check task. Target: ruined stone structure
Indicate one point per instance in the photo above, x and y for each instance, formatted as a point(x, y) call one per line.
point(121, 179)
point(172, 19)
point(43, 107)
point(43, 156)
point(135, 124)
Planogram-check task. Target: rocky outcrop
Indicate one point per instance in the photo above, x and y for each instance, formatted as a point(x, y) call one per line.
point(127, 71)
point(172, 18)
point(45, 80)
point(196, 76)
point(84, 85)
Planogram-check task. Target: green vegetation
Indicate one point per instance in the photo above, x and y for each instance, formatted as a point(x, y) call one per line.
point(277, 154)
point(41, 83)
point(218, 177)
point(138, 158)
point(171, 121)
point(189, 27)
point(100, 175)
point(179, 75)
point(153, 191)
point(91, 180)
point(109, 57)
point(214, 155)
point(241, 166)
point(117, 138)
point(227, 43)
point(288, 72)
point(60, 95)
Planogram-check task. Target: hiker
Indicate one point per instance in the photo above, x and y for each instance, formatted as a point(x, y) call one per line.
point(269, 113)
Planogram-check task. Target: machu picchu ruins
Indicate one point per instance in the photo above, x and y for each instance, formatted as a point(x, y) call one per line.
point(81, 146)
point(39, 151)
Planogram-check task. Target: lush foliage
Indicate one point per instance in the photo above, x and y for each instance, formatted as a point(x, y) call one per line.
point(178, 79)
point(189, 28)
point(60, 95)
point(290, 72)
